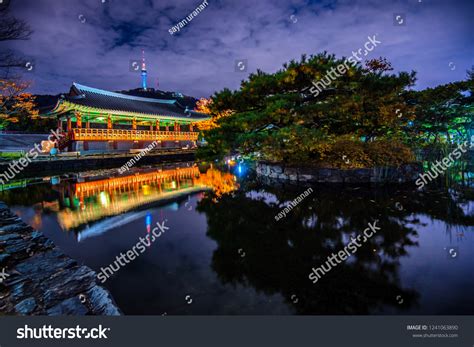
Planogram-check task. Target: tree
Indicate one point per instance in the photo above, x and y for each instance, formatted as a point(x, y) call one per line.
point(16, 106)
point(444, 114)
point(11, 29)
point(204, 105)
point(362, 105)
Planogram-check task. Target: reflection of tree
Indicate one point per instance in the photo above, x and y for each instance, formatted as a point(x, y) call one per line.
point(279, 255)
point(220, 182)
point(30, 195)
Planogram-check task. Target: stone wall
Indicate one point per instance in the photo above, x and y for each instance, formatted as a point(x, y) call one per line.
point(403, 174)
point(38, 279)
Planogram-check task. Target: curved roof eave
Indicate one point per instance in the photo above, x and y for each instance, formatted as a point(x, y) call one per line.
point(81, 87)
point(64, 106)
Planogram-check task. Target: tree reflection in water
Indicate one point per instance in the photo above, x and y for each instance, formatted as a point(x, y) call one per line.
point(277, 256)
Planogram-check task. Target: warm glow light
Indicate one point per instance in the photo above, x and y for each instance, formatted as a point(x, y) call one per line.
point(104, 201)
point(46, 146)
point(146, 189)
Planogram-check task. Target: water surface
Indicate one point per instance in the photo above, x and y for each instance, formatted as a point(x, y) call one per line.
point(225, 253)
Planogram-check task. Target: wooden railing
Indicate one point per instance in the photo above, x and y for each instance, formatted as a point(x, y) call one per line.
point(90, 134)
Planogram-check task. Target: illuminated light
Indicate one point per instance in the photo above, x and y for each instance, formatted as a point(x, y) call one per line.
point(148, 222)
point(90, 191)
point(240, 169)
point(173, 184)
point(146, 189)
point(104, 200)
point(148, 219)
point(47, 146)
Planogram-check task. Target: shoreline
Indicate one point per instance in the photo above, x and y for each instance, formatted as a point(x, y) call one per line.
point(63, 165)
point(39, 279)
point(378, 175)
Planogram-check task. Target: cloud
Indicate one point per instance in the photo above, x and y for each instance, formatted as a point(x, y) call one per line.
point(200, 59)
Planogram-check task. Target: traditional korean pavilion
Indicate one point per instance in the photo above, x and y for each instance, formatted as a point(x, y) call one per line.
point(89, 115)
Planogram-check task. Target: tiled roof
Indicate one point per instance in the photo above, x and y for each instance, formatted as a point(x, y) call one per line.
point(103, 99)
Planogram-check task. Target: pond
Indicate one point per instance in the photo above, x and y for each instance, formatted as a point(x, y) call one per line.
point(225, 251)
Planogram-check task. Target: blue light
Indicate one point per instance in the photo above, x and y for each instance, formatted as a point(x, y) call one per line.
point(144, 79)
point(148, 222)
point(240, 169)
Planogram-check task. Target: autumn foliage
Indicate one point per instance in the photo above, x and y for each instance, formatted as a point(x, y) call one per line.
point(205, 106)
point(15, 103)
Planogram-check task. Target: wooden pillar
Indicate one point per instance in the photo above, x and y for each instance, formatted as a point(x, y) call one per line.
point(88, 123)
point(60, 124)
point(78, 120)
point(157, 125)
point(69, 124)
point(167, 127)
point(191, 127)
point(109, 121)
point(151, 126)
point(134, 123)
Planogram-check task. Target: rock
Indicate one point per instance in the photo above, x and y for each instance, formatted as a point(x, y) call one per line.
point(18, 227)
point(42, 279)
point(406, 173)
point(71, 306)
point(305, 178)
point(35, 235)
point(276, 169)
point(26, 306)
point(43, 265)
point(68, 283)
point(4, 257)
point(18, 291)
point(101, 302)
point(7, 237)
point(291, 171)
point(16, 246)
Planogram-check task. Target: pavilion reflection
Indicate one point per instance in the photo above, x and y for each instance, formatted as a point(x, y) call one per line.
point(116, 198)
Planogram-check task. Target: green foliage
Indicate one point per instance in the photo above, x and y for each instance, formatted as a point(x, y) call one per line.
point(11, 155)
point(443, 114)
point(363, 104)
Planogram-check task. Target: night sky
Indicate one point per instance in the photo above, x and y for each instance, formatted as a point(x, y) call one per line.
point(92, 41)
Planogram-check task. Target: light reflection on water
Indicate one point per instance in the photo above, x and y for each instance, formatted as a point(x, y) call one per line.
point(225, 250)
